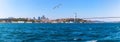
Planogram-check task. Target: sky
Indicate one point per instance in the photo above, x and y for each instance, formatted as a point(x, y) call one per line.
point(54, 9)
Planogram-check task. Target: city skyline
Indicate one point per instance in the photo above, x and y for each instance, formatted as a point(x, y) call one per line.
point(60, 8)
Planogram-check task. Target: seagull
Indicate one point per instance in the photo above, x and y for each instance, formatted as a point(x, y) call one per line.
point(57, 6)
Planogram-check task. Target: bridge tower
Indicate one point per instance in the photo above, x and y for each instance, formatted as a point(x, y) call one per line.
point(75, 18)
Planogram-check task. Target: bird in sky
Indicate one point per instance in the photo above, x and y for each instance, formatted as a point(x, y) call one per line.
point(57, 6)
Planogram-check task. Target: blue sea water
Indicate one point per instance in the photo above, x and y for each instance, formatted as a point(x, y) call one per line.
point(60, 32)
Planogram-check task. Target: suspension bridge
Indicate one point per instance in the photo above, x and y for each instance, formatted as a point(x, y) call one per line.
point(100, 18)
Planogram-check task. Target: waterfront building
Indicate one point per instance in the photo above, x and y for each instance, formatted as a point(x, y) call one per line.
point(43, 17)
point(39, 18)
point(14, 22)
point(29, 22)
point(34, 18)
point(71, 22)
point(2, 21)
point(21, 21)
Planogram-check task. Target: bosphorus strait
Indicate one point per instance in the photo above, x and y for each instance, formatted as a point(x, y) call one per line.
point(59, 32)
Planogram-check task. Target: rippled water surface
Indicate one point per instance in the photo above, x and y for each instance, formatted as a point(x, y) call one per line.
point(96, 32)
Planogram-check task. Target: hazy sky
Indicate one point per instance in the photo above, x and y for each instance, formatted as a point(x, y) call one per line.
point(66, 8)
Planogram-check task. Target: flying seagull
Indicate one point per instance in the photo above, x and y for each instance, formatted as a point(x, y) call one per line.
point(57, 6)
